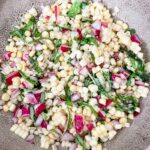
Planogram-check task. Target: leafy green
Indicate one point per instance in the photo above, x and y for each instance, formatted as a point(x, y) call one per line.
point(32, 116)
point(86, 19)
point(106, 76)
point(68, 95)
point(75, 9)
point(89, 40)
point(87, 81)
point(36, 67)
point(80, 141)
point(3, 77)
point(56, 57)
point(57, 43)
point(84, 4)
point(21, 32)
point(126, 103)
point(131, 30)
point(133, 75)
point(69, 121)
point(85, 104)
point(42, 97)
point(34, 82)
point(45, 117)
point(70, 78)
point(5, 87)
point(92, 56)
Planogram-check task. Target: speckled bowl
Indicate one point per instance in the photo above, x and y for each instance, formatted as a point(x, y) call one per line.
point(137, 14)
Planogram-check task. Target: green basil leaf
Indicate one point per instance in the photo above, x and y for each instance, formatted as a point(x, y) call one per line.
point(32, 116)
point(89, 40)
point(75, 9)
point(68, 95)
point(80, 141)
point(42, 97)
point(131, 30)
point(45, 117)
point(57, 43)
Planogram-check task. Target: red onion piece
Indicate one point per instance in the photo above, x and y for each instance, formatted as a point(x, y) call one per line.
point(15, 93)
point(25, 111)
point(56, 12)
point(11, 76)
point(39, 108)
point(12, 64)
point(84, 71)
point(90, 126)
point(75, 97)
point(6, 55)
point(44, 124)
point(139, 83)
point(25, 85)
point(30, 139)
point(114, 76)
point(116, 56)
point(108, 103)
point(97, 25)
point(73, 146)
point(79, 124)
point(102, 115)
point(47, 18)
point(104, 24)
point(136, 39)
point(37, 95)
point(25, 56)
point(67, 137)
point(32, 99)
point(39, 121)
point(64, 48)
point(80, 34)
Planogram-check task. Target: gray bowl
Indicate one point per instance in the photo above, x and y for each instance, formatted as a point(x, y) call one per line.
point(137, 14)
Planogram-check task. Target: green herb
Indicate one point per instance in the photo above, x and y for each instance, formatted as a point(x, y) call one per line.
point(3, 77)
point(45, 117)
point(87, 81)
point(21, 32)
point(5, 87)
point(57, 43)
point(80, 141)
point(92, 56)
point(85, 104)
point(36, 67)
point(126, 103)
point(69, 121)
point(75, 9)
point(56, 57)
point(68, 95)
point(83, 5)
point(70, 78)
point(86, 19)
point(42, 97)
point(34, 82)
point(32, 114)
point(89, 40)
point(129, 82)
point(106, 76)
point(132, 31)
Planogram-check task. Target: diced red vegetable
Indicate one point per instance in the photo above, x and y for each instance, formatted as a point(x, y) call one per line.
point(11, 76)
point(84, 71)
point(135, 38)
point(102, 115)
point(25, 111)
point(101, 65)
point(64, 48)
point(44, 124)
point(32, 99)
point(97, 97)
point(91, 66)
point(6, 55)
point(90, 126)
point(56, 12)
point(139, 83)
point(122, 76)
point(51, 74)
point(116, 56)
point(65, 31)
point(37, 95)
point(61, 128)
point(79, 124)
point(136, 114)
point(47, 18)
point(108, 103)
point(75, 97)
point(96, 32)
point(126, 74)
point(25, 85)
point(25, 56)
point(39, 108)
point(15, 93)
point(104, 24)
point(80, 34)
point(18, 113)
point(114, 76)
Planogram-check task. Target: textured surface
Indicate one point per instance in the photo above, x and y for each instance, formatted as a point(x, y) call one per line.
point(137, 14)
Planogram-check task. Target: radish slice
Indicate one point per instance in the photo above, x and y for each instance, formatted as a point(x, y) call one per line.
point(15, 93)
point(84, 71)
point(13, 64)
point(126, 74)
point(96, 32)
point(73, 146)
point(97, 97)
point(122, 76)
point(39, 121)
point(32, 99)
point(136, 39)
point(136, 114)
point(44, 124)
point(56, 12)
point(39, 108)
point(91, 66)
point(37, 95)
point(11, 76)
point(18, 113)
point(65, 31)
point(43, 80)
point(75, 97)
point(97, 25)
point(25, 85)
point(90, 126)
point(108, 103)
point(102, 115)
point(25, 111)
point(64, 48)
point(104, 24)
point(25, 56)
point(139, 83)
point(114, 76)
point(30, 139)
point(6, 55)
point(79, 124)
point(67, 137)
point(80, 34)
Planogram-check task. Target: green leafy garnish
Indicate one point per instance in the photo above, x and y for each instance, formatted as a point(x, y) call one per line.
point(34, 82)
point(45, 117)
point(70, 78)
point(129, 82)
point(36, 67)
point(56, 57)
point(86, 19)
point(106, 76)
point(32, 116)
point(80, 141)
point(3, 77)
point(5, 87)
point(75, 9)
point(131, 30)
point(83, 5)
point(68, 95)
point(57, 43)
point(92, 56)
point(87, 81)
point(21, 32)
point(42, 97)
point(126, 103)
point(89, 40)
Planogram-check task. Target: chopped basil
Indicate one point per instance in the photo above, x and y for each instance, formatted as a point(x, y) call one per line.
point(87, 81)
point(92, 56)
point(34, 82)
point(84, 20)
point(89, 40)
point(131, 30)
point(5, 87)
point(70, 78)
point(69, 121)
point(83, 5)
point(32, 116)
point(56, 57)
point(129, 82)
point(80, 141)
point(57, 43)
point(75, 9)
point(68, 95)
point(106, 76)
point(45, 117)
point(42, 97)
